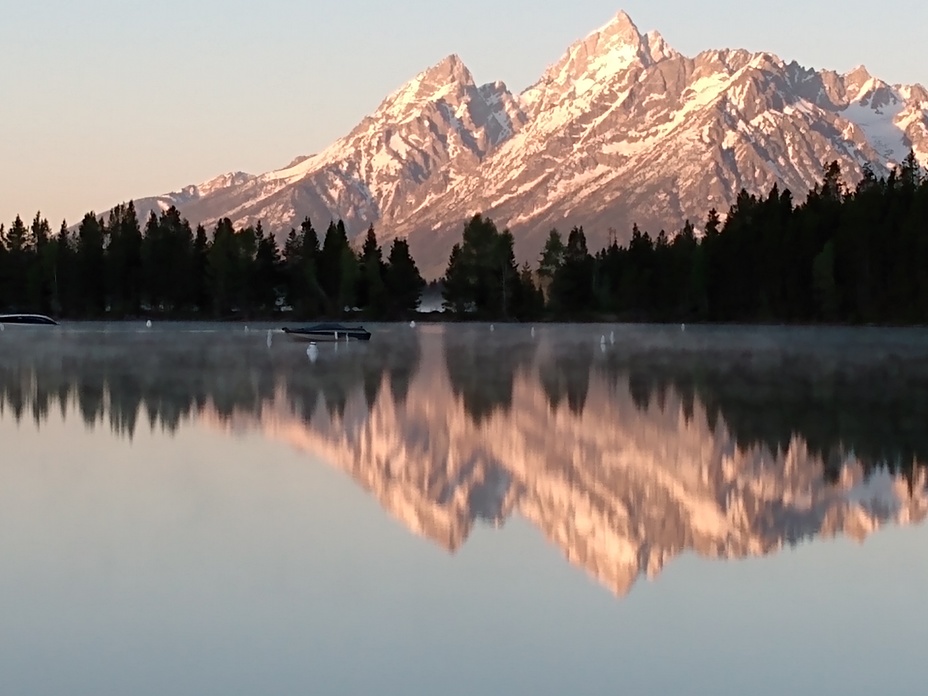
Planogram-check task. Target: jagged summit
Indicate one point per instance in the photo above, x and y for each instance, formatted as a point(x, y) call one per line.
point(620, 27)
point(451, 67)
point(621, 129)
point(596, 61)
point(450, 70)
point(857, 75)
point(658, 48)
point(447, 76)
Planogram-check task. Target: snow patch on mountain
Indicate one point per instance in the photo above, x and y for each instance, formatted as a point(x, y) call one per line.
point(880, 127)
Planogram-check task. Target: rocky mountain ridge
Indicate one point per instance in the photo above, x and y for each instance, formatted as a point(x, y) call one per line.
point(622, 129)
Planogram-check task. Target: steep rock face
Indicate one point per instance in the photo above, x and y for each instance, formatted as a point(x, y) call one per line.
point(621, 489)
point(431, 132)
point(621, 129)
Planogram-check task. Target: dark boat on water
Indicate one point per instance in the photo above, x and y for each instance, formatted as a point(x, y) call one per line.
point(328, 332)
point(26, 320)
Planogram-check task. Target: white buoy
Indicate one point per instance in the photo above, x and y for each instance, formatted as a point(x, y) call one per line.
point(270, 339)
point(612, 337)
point(148, 323)
point(246, 328)
point(533, 332)
point(492, 328)
point(682, 327)
point(312, 352)
point(2, 327)
point(412, 324)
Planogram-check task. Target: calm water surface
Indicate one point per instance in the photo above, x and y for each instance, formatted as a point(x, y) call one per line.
point(460, 510)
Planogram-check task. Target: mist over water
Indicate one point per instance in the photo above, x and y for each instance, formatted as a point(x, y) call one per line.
point(188, 509)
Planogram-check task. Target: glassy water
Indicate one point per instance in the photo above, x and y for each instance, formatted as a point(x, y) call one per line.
point(460, 510)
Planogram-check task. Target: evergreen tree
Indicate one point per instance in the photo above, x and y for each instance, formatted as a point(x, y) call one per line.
point(688, 275)
point(132, 276)
point(65, 272)
point(153, 261)
point(176, 255)
point(222, 268)
point(91, 266)
point(552, 258)
point(528, 300)
point(349, 272)
point(20, 253)
point(41, 266)
point(371, 295)
point(572, 284)
point(635, 292)
point(337, 269)
point(609, 263)
point(267, 271)
point(456, 284)
point(200, 263)
point(124, 261)
point(481, 272)
point(5, 269)
point(301, 263)
point(17, 238)
point(244, 292)
point(403, 284)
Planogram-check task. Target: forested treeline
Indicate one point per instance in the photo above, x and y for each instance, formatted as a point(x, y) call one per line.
point(116, 268)
point(849, 256)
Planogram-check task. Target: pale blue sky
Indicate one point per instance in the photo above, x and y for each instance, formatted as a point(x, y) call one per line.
point(107, 100)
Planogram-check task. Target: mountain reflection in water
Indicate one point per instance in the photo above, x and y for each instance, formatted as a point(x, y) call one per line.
point(726, 442)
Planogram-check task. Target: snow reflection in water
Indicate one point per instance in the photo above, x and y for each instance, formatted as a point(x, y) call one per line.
point(726, 442)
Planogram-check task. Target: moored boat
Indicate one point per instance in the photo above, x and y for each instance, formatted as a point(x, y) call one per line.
point(26, 320)
point(328, 332)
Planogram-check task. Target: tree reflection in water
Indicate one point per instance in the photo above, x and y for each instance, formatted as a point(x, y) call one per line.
point(869, 403)
point(728, 442)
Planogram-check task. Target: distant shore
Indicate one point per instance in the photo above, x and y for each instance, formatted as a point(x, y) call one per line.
point(451, 318)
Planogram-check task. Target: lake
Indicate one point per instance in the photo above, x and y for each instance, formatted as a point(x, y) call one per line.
point(463, 509)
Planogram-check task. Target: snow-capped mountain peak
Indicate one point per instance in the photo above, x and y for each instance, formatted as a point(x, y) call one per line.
point(224, 181)
point(593, 63)
point(446, 79)
point(621, 129)
point(618, 30)
point(658, 48)
point(856, 78)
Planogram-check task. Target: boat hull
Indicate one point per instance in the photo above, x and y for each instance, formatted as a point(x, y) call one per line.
point(328, 334)
point(322, 338)
point(31, 320)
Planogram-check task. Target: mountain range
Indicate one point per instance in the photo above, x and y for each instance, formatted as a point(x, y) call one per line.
point(622, 129)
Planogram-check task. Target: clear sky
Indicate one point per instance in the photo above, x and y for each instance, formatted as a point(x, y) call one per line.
point(106, 100)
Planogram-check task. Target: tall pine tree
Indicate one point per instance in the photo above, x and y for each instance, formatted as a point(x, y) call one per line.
point(403, 284)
